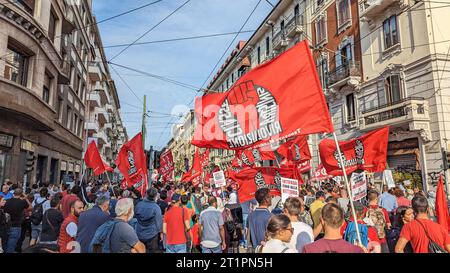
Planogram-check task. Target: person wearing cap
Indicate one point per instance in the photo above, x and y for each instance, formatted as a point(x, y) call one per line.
point(176, 226)
point(369, 236)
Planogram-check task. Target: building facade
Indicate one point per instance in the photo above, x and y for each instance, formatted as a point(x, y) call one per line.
point(46, 50)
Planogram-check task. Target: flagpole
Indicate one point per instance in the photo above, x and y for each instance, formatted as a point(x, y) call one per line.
point(341, 160)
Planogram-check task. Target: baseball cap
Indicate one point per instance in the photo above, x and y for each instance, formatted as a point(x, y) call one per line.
point(176, 197)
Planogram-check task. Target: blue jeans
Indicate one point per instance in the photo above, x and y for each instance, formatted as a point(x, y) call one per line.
point(244, 223)
point(181, 248)
point(217, 249)
point(13, 238)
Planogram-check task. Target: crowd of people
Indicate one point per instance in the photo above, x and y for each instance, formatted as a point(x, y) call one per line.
point(180, 218)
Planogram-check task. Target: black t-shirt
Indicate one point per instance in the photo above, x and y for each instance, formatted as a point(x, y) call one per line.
point(162, 205)
point(51, 224)
point(16, 207)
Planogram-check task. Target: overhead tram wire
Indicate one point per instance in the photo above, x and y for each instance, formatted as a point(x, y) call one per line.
point(148, 31)
point(126, 84)
point(93, 24)
point(231, 43)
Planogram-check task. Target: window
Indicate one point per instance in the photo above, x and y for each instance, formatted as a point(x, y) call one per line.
point(77, 84)
point(59, 108)
point(282, 27)
point(259, 54)
point(297, 10)
point(228, 84)
point(16, 66)
point(350, 103)
point(390, 32)
point(82, 92)
point(267, 46)
point(344, 56)
point(322, 70)
point(68, 117)
point(392, 89)
point(75, 124)
point(52, 25)
point(343, 12)
point(27, 5)
point(232, 78)
point(321, 31)
point(47, 87)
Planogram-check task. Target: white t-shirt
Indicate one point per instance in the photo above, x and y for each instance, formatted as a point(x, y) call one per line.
point(303, 235)
point(232, 199)
point(277, 246)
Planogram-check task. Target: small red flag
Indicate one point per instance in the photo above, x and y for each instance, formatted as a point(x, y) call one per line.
point(296, 149)
point(166, 165)
point(442, 206)
point(94, 161)
point(132, 164)
point(367, 152)
point(251, 179)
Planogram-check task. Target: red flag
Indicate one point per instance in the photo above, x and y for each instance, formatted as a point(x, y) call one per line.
point(320, 174)
point(196, 169)
point(166, 165)
point(205, 159)
point(304, 166)
point(132, 163)
point(367, 152)
point(296, 149)
point(251, 179)
point(94, 161)
point(441, 206)
point(279, 99)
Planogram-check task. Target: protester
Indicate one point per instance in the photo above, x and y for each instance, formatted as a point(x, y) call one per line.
point(422, 232)
point(343, 200)
point(90, 220)
point(316, 209)
point(303, 233)
point(379, 219)
point(246, 207)
point(68, 199)
point(305, 215)
point(278, 236)
point(4, 225)
point(6, 193)
point(15, 207)
point(388, 201)
point(332, 218)
point(176, 227)
point(196, 248)
point(259, 218)
point(211, 228)
point(51, 224)
point(149, 221)
point(368, 234)
point(162, 202)
point(40, 205)
point(401, 199)
point(123, 238)
point(69, 228)
point(403, 215)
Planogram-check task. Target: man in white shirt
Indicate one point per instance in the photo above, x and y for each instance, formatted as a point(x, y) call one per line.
point(303, 233)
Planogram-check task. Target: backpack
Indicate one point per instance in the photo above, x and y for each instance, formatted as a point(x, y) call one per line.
point(198, 204)
point(433, 247)
point(232, 227)
point(378, 220)
point(37, 213)
point(351, 236)
point(101, 242)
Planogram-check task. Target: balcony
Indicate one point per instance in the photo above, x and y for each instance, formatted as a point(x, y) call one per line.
point(410, 110)
point(92, 126)
point(101, 136)
point(100, 89)
point(370, 9)
point(279, 40)
point(64, 75)
point(101, 114)
point(95, 74)
point(349, 73)
point(94, 99)
point(68, 24)
point(295, 26)
point(109, 108)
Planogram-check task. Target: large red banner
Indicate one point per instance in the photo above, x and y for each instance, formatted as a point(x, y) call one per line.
point(249, 180)
point(367, 152)
point(166, 165)
point(196, 170)
point(132, 163)
point(276, 100)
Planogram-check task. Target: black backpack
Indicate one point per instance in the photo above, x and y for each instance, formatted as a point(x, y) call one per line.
point(37, 213)
point(433, 247)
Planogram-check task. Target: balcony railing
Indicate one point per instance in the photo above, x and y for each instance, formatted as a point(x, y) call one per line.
point(369, 9)
point(405, 110)
point(349, 69)
point(279, 39)
point(295, 25)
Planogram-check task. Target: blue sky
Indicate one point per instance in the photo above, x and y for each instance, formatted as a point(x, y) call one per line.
point(188, 61)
